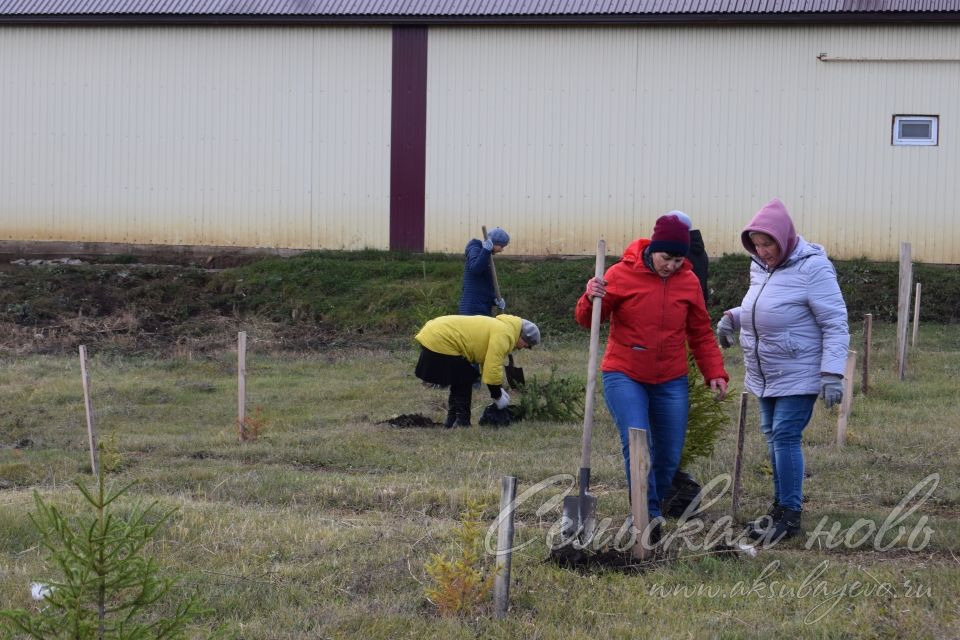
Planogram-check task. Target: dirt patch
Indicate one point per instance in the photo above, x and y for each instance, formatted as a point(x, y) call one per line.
point(587, 561)
point(411, 420)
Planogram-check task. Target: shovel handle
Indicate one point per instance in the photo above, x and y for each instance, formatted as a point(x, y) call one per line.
point(493, 268)
point(592, 362)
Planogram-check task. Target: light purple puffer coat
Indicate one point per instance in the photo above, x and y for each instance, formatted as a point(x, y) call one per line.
point(793, 320)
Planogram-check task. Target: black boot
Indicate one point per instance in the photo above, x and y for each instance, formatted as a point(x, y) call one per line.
point(756, 527)
point(783, 528)
point(459, 403)
point(451, 418)
point(463, 415)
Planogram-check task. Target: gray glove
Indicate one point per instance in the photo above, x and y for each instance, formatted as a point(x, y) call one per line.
point(725, 331)
point(501, 303)
point(488, 244)
point(831, 389)
point(503, 400)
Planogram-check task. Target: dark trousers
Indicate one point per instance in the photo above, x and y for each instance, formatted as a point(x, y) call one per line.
point(454, 371)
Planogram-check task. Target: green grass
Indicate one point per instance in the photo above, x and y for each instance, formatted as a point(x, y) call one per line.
point(329, 299)
point(323, 526)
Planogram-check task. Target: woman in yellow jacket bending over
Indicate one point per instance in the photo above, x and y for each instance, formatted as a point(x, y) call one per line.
point(451, 345)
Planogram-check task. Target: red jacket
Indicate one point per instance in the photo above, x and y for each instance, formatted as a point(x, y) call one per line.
point(652, 320)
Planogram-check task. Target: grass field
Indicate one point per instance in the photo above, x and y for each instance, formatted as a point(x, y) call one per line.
point(322, 527)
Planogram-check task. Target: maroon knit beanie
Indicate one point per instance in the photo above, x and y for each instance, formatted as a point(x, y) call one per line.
point(670, 235)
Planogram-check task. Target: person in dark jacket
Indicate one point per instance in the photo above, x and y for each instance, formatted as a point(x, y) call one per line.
point(794, 334)
point(654, 305)
point(478, 297)
point(698, 254)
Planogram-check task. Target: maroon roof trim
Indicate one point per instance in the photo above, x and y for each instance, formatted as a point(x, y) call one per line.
point(948, 17)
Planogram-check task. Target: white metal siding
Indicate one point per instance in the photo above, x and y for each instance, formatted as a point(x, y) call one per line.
point(280, 137)
point(565, 134)
point(212, 136)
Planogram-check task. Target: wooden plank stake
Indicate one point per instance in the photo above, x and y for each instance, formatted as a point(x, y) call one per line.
point(88, 407)
point(903, 306)
point(639, 468)
point(916, 316)
point(847, 403)
point(738, 458)
point(867, 346)
point(501, 583)
point(242, 385)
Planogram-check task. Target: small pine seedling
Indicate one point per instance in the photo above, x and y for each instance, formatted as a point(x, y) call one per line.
point(462, 583)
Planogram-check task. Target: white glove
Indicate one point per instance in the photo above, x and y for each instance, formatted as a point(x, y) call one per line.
point(503, 400)
point(488, 244)
point(501, 303)
point(725, 331)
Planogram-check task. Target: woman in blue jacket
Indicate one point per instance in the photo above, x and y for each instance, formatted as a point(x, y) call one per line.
point(478, 297)
point(794, 335)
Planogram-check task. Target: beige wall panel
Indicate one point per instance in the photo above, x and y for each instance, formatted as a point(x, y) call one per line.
point(564, 134)
point(248, 137)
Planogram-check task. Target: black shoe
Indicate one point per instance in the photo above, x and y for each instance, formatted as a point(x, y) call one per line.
point(451, 419)
point(783, 528)
point(756, 527)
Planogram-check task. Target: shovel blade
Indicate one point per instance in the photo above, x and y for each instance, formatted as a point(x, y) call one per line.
point(572, 523)
point(515, 378)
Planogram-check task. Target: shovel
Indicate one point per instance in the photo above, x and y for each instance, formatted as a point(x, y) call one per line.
point(515, 379)
point(579, 512)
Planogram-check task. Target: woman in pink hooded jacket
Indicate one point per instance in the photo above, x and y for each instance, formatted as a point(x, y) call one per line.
point(794, 335)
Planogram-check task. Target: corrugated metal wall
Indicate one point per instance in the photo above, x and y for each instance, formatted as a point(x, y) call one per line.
point(225, 136)
point(280, 137)
point(564, 134)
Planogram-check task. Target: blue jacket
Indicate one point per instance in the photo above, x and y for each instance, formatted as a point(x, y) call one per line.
point(793, 324)
point(477, 298)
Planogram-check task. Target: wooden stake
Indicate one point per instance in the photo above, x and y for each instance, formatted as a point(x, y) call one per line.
point(639, 468)
point(916, 315)
point(847, 403)
point(501, 583)
point(903, 306)
point(242, 384)
point(867, 346)
point(738, 458)
point(88, 407)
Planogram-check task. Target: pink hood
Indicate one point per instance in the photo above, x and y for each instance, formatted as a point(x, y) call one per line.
point(774, 221)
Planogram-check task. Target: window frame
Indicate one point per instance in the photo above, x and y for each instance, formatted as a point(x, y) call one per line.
point(933, 141)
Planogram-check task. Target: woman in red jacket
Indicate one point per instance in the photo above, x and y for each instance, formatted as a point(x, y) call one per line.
point(654, 304)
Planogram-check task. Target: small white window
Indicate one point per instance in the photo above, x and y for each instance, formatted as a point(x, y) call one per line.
point(915, 130)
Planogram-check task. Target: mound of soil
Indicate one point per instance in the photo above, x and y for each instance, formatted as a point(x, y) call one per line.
point(411, 420)
point(586, 561)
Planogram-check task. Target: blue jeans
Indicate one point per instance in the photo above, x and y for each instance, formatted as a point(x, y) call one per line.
point(782, 421)
point(662, 410)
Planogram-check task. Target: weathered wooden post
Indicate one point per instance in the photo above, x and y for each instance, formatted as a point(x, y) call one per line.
point(88, 407)
point(501, 584)
point(242, 385)
point(847, 403)
point(738, 458)
point(639, 468)
point(916, 315)
point(903, 306)
point(867, 346)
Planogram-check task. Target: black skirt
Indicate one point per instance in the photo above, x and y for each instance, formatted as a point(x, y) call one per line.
point(437, 368)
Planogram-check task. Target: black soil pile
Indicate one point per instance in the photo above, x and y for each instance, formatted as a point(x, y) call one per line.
point(411, 421)
point(587, 561)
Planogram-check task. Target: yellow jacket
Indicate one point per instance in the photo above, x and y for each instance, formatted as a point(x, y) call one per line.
point(480, 339)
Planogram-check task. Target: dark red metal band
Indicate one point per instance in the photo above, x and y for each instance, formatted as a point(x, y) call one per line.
point(408, 138)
